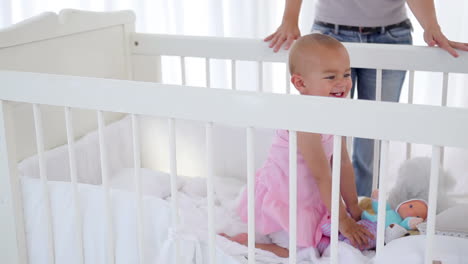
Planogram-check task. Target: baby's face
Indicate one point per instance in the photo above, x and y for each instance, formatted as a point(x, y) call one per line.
point(328, 73)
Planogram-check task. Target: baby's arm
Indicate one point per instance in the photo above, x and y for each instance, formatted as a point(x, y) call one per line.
point(348, 184)
point(310, 146)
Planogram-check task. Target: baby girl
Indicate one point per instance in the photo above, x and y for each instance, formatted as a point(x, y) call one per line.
point(319, 66)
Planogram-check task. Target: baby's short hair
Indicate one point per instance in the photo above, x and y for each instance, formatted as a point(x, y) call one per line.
point(296, 54)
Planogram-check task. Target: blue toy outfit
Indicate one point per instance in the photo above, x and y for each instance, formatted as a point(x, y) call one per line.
point(391, 216)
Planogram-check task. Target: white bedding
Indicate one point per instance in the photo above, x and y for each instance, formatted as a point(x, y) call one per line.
point(158, 234)
point(156, 223)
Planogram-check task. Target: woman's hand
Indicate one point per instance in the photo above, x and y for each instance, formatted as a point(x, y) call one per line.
point(424, 11)
point(434, 36)
point(357, 234)
point(286, 33)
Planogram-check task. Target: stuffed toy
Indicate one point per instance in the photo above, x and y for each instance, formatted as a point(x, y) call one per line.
point(408, 197)
point(406, 216)
point(412, 182)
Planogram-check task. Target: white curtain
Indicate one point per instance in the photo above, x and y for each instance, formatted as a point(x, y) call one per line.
point(257, 19)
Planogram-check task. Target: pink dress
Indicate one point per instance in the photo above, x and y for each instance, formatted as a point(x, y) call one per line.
point(272, 194)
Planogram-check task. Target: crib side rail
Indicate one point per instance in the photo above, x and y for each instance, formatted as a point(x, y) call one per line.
point(437, 126)
point(362, 55)
point(421, 124)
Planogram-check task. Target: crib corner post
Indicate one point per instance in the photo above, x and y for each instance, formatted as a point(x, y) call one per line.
point(12, 238)
point(128, 31)
point(140, 66)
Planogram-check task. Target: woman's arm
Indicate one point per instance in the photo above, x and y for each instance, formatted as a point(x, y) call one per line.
point(288, 31)
point(424, 11)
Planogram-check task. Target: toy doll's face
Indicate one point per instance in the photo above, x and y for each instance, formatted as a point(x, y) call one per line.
point(413, 209)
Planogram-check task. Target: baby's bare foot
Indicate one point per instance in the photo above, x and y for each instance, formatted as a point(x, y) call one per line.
point(273, 248)
point(240, 238)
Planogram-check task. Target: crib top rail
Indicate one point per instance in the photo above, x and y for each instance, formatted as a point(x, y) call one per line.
point(433, 125)
point(376, 56)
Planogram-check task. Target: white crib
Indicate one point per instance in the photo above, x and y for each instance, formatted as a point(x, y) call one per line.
point(59, 71)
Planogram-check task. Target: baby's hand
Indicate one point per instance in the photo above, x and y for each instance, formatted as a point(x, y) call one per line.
point(375, 194)
point(414, 222)
point(357, 234)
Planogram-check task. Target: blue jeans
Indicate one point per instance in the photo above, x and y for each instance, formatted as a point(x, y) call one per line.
point(392, 81)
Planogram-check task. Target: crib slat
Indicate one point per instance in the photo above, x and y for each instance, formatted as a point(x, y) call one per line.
point(378, 97)
point(335, 202)
point(431, 212)
point(210, 192)
point(183, 74)
point(410, 101)
point(233, 75)
point(411, 87)
point(288, 81)
point(260, 76)
point(137, 181)
point(382, 199)
point(106, 191)
point(173, 170)
point(207, 72)
point(292, 196)
point(13, 238)
point(174, 196)
point(445, 81)
point(74, 181)
point(378, 85)
point(43, 176)
point(349, 145)
point(251, 193)
point(375, 167)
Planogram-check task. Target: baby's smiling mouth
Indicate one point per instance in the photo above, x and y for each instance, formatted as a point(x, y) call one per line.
point(339, 94)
